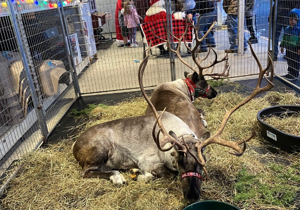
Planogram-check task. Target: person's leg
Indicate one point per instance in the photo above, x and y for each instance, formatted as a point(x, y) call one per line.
point(134, 34)
point(211, 17)
point(293, 61)
point(245, 42)
point(250, 26)
point(162, 50)
point(125, 39)
point(278, 29)
point(131, 35)
point(205, 22)
point(232, 31)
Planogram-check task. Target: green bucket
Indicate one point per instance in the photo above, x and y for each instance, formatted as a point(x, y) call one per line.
point(210, 205)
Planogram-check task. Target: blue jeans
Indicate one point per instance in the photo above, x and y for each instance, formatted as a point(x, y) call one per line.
point(293, 60)
point(132, 35)
point(232, 25)
point(205, 22)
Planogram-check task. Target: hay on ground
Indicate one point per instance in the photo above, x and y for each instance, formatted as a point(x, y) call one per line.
point(50, 178)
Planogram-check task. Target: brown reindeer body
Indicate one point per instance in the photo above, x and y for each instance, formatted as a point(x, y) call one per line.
point(126, 144)
point(176, 98)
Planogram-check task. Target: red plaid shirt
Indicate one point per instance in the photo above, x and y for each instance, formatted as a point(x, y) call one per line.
point(158, 28)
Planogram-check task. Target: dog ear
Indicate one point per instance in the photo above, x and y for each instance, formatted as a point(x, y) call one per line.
point(186, 74)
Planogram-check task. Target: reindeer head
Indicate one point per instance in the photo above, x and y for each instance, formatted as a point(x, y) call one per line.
point(202, 88)
point(190, 171)
point(197, 79)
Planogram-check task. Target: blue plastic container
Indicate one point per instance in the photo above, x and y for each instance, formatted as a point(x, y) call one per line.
point(210, 205)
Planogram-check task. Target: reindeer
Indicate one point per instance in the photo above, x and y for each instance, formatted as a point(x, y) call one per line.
point(178, 96)
point(136, 144)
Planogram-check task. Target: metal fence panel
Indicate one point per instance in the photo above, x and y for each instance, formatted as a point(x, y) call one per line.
point(18, 118)
point(114, 67)
point(36, 77)
point(285, 39)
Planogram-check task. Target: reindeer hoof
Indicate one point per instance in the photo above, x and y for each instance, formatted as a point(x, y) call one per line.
point(145, 177)
point(117, 178)
point(134, 173)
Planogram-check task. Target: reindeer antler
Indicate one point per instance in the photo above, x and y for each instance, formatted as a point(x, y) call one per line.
point(196, 58)
point(167, 138)
point(216, 138)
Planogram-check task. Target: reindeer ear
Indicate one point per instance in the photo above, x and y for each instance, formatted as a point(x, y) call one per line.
point(205, 136)
point(186, 74)
point(195, 77)
point(173, 135)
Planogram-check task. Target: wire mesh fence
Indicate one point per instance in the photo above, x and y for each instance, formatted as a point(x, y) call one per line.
point(36, 74)
point(54, 51)
point(285, 34)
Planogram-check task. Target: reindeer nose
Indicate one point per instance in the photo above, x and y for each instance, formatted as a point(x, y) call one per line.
point(193, 194)
point(212, 93)
point(192, 197)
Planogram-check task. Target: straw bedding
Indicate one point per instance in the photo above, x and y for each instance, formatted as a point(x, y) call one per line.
point(50, 178)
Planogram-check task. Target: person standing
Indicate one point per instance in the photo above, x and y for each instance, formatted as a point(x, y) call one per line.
point(291, 42)
point(156, 12)
point(251, 20)
point(282, 10)
point(208, 14)
point(179, 13)
point(131, 20)
point(231, 9)
point(124, 30)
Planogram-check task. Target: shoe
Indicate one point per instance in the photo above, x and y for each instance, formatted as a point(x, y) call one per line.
point(289, 77)
point(274, 59)
point(211, 45)
point(164, 53)
point(253, 40)
point(134, 45)
point(122, 45)
point(234, 51)
point(127, 45)
point(231, 51)
point(201, 50)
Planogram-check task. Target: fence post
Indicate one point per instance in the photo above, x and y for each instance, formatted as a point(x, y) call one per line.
point(241, 26)
point(170, 38)
point(31, 76)
point(68, 48)
point(274, 23)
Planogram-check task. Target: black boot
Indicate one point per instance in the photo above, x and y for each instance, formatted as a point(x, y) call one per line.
point(253, 40)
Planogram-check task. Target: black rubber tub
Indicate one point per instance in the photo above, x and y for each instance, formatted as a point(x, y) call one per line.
point(284, 141)
point(210, 205)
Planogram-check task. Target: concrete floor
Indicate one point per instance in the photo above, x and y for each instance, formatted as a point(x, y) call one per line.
point(116, 68)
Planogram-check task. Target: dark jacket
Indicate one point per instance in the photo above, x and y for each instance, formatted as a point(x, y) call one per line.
point(203, 6)
point(249, 7)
